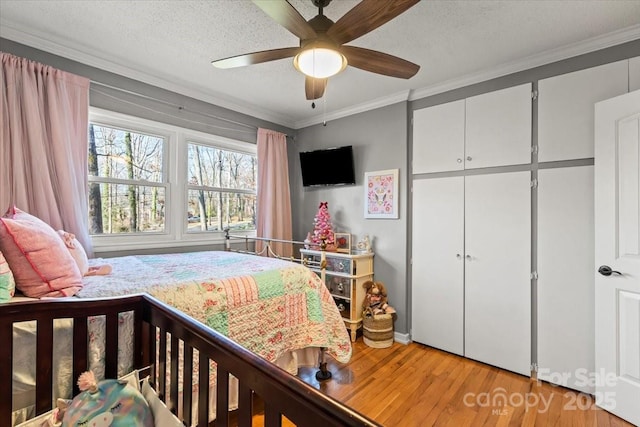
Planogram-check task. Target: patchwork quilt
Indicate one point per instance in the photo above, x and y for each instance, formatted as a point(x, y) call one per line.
point(268, 306)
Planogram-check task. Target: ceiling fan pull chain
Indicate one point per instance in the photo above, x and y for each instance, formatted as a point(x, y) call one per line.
point(324, 108)
point(313, 88)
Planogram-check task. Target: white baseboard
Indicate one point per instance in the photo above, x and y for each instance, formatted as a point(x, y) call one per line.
point(401, 338)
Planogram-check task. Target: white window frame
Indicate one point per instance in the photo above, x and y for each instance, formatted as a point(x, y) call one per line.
point(175, 167)
point(222, 143)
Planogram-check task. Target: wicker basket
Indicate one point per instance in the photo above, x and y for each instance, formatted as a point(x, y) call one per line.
point(377, 331)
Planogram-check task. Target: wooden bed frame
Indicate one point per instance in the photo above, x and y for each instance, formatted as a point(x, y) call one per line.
point(283, 394)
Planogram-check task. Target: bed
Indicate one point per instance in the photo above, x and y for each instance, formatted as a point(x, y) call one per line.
point(272, 308)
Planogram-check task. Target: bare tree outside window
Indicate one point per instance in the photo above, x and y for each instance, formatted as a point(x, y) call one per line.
point(126, 181)
point(222, 186)
point(129, 186)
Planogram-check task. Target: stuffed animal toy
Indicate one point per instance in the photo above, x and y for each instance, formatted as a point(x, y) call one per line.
point(375, 300)
point(107, 403)
point(80, 256)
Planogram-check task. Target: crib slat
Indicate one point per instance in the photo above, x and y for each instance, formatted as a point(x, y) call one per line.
point(151, 354)
point(111, 346)
point(245, 405)
point(203, 390)
point(222, 396)
point(6, 369)
point(80, 350)
point(162, 365)
point(187, 379)
point(44, 357)
point(138, 340)
point(272, 417)
point(173, 392)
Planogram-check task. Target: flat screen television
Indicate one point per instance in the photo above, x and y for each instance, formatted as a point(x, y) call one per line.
point(331, 166)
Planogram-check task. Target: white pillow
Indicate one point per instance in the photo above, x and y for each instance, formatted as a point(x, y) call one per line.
point(39, 421)
point(162, 416)
point(132, 379)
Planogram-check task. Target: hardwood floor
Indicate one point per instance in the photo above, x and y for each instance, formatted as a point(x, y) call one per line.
point(415, 385)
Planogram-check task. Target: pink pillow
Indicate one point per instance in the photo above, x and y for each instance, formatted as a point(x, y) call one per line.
point(76, 250)
point(41, 264)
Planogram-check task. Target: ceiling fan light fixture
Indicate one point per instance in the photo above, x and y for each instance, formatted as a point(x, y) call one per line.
point(320, 62)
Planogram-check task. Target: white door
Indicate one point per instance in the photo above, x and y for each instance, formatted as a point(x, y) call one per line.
point(438, 138)
point(565, 109)
point(617, 249)
point(437, 312)
point(497, 270)
point(565, 275)
point(498, 128)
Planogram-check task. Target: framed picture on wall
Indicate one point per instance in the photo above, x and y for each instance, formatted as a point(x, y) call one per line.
point(381, 194)
point(343, 242)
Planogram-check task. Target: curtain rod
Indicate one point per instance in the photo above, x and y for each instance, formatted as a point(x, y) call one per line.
point(171, 104)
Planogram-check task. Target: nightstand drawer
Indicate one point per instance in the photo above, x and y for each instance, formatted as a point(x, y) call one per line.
point(338, 286)
point(339, 265)
point(344, 307)
point(343, 275)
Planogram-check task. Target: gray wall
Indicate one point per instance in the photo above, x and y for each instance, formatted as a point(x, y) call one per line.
point(379, 140)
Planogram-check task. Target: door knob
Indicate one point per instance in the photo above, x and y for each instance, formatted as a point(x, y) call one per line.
point(458, 256)
point(469, 158)
point(459, 160)
point(605, 270)
point(468, 257)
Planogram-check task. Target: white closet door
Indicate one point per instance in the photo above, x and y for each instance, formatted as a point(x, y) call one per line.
point(634, 74)
point(566, 105)
point(565, 276)
point(498, 128)
point(437, 267)
point(497, 270)
point(438, 138)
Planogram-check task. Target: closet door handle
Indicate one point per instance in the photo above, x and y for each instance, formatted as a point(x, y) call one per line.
point(469, 158)
point(458, 256)
point(459, 160)
point(468, 257)
point(605, 270)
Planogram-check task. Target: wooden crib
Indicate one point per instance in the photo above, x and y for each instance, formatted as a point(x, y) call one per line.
point(281, 393)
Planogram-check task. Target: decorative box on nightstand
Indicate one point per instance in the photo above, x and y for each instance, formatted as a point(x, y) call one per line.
point(344, 275)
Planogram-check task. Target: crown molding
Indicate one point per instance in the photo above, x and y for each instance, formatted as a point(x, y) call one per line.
point(355, 109)
point(557, 54)
point(43, 42)
point(75, 53)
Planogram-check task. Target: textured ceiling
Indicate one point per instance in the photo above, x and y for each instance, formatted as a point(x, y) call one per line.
point(171, 44)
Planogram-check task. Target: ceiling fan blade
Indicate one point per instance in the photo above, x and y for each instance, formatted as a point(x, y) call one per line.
point(378, 62)
point(366, 16)
point(314, 88)
point(255, 57)
point(287, 16)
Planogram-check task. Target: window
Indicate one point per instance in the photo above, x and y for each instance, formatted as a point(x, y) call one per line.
point(157, 185)
point(221, 189)
point(127, 186)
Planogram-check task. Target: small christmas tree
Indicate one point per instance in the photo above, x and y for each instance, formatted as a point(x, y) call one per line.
point(322, 228)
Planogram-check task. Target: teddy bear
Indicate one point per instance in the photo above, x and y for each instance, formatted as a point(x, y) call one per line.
point(375, 300)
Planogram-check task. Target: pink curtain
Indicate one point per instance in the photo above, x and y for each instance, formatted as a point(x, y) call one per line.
point(274, 198)
point(44, 145)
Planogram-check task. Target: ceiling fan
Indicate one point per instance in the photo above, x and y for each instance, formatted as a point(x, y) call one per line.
point(322, 51)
